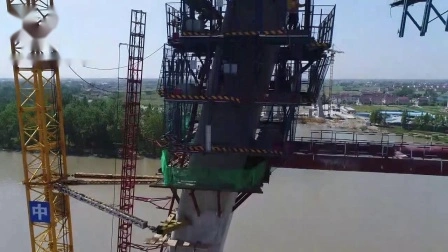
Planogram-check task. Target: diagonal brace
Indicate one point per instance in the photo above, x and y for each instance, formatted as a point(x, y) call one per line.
point(423, 28)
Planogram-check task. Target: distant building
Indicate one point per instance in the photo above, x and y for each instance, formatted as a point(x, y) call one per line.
point(371, 99)
point(403, 100)
point(423, 101)
point(348, 110)
point(345, 98)
point(389, 99)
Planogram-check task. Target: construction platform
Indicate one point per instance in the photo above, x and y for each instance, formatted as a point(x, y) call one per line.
point(271, 98)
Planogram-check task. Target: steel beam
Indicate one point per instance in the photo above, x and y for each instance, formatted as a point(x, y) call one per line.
point(416, 166)
point(423, 27)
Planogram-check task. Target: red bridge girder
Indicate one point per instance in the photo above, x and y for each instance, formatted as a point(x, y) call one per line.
point(434, 167)
point(424, 151)
point(399, 158)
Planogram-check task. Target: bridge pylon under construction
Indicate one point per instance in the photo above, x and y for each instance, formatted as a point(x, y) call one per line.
point(196, 46)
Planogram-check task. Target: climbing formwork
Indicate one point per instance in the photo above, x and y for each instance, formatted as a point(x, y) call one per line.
point(194, 32)
point(199, 71)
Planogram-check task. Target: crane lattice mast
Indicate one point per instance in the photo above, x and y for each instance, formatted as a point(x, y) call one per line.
point(330, 86)
point(41, 127)
point(131, 126)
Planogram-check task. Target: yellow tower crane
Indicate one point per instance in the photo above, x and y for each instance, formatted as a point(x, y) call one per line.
point(39, 103)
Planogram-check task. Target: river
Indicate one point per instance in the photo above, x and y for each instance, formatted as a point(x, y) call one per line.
point(300, 211)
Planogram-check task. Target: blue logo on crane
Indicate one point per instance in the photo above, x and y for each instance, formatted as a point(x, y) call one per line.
point(40, 211)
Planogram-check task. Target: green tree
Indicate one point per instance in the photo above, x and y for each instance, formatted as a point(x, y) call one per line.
point(377, 117)
point(404, 119)
point(151, 129)
point(439, 121)
point(432, 95)
point(89, 125)
point(9, 132)
point(406, 91)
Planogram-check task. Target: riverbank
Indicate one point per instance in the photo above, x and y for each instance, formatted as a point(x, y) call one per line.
point(422, 130)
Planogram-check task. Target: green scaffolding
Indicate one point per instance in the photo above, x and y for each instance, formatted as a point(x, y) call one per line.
point(235, 179)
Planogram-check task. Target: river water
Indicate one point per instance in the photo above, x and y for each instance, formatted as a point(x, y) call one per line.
point(300, 211)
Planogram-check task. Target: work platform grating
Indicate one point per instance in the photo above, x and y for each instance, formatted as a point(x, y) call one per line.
point(274, 37)
point(275, 99)
point(329, 142)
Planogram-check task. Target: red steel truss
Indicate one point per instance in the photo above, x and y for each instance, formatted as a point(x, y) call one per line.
point(131, 125)
point(352, 154)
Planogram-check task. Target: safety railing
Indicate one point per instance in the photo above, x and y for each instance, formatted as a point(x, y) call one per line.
point(207, 17)
point(210, 18)
point(346, 143)
point(321, 23)
point(317, 74)
point(365, 148)
point(377, 137)
point(179, 76)
point(353, 137)
point(325, 31)
point(178, 124)
point(163, 70)
point(173, 20)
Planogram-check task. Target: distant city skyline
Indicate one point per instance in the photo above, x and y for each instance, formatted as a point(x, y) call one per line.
point(366, 32)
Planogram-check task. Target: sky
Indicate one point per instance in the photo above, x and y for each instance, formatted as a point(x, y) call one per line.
point(89, 31)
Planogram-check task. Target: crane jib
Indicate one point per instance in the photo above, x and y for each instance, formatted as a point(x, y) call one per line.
point(103, 207)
